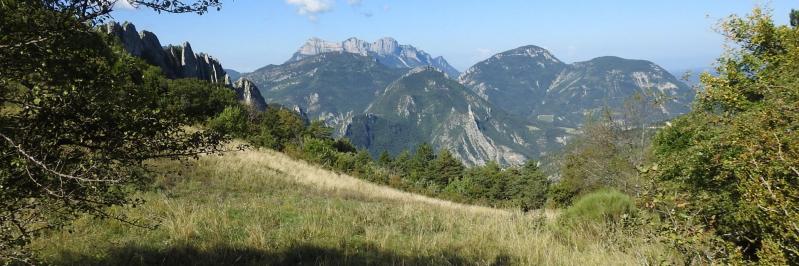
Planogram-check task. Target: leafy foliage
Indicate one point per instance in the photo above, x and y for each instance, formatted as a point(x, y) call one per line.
point(729, 168)
point(78, 116)
point(523, 187)
point(197, 99)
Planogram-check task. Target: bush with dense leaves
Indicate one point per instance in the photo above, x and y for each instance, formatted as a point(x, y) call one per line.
point(198, 99)
point(730, 168)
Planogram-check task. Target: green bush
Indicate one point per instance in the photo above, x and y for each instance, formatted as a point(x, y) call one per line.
point(319, 151)
point(729, 167)
point(198, 99)
point(599, 207)
point(232, 121)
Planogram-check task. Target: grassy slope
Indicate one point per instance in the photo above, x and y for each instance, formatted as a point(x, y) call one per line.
point(261, 207)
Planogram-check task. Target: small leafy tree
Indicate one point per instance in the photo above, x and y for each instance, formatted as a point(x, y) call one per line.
point(78, 116)
point(231, 121)
point(605, 155)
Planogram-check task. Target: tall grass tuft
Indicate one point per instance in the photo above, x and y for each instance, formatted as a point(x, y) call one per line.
point(606, 207)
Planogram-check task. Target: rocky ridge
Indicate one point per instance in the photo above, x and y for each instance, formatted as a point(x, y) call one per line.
point(386, 50)
point(180, 61)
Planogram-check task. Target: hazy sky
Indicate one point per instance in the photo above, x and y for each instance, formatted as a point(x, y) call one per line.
point(248, 34)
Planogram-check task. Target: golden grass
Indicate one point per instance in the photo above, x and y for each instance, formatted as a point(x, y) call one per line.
point(307, 174)
point(262, 207)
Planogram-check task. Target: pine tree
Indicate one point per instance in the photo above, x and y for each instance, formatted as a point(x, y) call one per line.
point(420, 164)
point(363, 158)
point(402, 164)
point(384, 159)
point(530, 188)
point(446, 168)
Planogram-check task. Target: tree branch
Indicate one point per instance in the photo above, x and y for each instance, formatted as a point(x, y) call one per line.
point(46, 168)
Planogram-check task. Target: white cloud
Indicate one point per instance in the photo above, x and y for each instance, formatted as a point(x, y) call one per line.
point(123, 5)
point(311, 8)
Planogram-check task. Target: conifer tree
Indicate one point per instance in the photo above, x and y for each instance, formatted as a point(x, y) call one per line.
point(446, 168)
point(384, 159)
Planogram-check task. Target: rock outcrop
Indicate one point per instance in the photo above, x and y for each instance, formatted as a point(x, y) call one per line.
point(175, 61)
point(180, 61)
point(248, 94)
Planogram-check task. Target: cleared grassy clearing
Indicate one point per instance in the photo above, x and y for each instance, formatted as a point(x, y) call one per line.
point(262, 207)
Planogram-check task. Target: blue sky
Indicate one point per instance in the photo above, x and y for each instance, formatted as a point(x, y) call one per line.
point(248, 34)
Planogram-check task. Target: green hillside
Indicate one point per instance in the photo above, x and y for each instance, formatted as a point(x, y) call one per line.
point(262, 207)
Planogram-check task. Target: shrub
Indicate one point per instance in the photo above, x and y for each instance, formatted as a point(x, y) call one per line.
point(729, 167)
point(599, 207)
point(198, 99)
point(319, 151)
point(232, 121)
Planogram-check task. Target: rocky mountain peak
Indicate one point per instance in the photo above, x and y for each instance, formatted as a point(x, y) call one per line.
point(425, 105)
point(248, 94)
point(531, 51)
point(387, 51)
point(385, 46)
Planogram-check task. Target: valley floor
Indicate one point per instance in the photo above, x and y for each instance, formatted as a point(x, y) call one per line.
point(262, 207)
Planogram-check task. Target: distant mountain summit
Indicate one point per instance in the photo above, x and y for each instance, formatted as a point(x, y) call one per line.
point(514, 78)
point(386, 50)
point(530, 82)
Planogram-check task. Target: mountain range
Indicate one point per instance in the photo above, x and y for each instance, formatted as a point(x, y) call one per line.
point(516, 105)
point(532, 83)
point(387, 51)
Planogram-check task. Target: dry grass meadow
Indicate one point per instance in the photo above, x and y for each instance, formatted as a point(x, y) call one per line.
point(260, 207)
